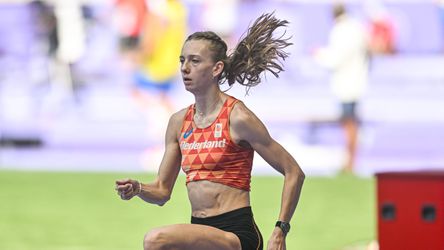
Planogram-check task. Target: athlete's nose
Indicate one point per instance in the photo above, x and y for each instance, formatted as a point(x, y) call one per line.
point(184, 67)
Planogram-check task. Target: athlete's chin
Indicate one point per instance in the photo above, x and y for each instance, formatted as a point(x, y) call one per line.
point(189, 88)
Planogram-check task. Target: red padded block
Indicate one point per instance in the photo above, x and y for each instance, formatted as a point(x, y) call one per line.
point(411, 210)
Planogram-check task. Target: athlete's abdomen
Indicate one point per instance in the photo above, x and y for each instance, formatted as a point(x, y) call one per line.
point(209, 198)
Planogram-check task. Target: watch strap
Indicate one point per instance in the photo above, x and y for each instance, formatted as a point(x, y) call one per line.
point(284, 226)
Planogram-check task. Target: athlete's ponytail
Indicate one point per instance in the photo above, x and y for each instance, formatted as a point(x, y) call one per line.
point(257, 52)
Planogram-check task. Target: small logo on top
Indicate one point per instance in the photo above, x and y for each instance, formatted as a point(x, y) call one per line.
point(188, 133)
point(218, 130)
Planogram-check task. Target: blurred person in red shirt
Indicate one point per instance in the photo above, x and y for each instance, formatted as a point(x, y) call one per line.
point(129, 18)
point(381, 29)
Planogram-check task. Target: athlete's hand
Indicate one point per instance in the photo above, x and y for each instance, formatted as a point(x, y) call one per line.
point(127, 188)
point(277, 240)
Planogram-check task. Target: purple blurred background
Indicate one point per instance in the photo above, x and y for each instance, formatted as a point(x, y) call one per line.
point(97, 123)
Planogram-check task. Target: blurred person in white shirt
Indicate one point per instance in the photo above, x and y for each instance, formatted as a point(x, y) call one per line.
point(346, 55)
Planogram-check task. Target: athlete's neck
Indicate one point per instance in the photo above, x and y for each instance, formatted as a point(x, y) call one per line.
point(208, 103)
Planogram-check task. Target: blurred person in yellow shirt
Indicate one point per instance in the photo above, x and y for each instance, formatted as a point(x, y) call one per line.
point(164, 31)
point(157, 67)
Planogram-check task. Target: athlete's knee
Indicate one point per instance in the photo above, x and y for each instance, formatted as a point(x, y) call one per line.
point(155, 239)
point(233, 241)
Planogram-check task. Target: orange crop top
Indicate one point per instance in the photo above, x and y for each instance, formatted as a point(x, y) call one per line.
point(210, 154)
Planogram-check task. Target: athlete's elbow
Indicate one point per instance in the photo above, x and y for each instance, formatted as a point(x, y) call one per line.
point(296, 174)
point(162, 202)
point(158, 199)
point(301, 175)
point(163, 199)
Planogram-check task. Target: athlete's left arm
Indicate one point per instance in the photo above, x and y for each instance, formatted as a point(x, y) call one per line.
point(246, 127)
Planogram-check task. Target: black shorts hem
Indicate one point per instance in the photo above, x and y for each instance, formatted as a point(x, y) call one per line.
point(240, 222)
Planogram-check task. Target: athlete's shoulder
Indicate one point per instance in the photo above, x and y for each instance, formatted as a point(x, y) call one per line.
point(179, 116)
point(176, 121)
point(241, 115)
point(245, 125)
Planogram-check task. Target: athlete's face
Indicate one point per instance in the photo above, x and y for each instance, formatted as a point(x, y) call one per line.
point(197, 66)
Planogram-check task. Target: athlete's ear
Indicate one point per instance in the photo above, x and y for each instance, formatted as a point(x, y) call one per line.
point(218, 68)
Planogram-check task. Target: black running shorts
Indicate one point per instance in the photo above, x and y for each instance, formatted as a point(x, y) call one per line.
point(240, 222)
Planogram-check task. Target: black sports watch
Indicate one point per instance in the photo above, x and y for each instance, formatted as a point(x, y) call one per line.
point(284, 226)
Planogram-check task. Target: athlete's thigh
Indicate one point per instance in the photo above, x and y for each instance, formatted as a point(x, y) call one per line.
point(195, 237)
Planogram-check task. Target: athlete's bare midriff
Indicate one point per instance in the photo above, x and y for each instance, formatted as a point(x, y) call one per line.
point(211, 198)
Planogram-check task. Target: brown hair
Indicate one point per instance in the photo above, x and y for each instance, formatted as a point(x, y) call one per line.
point(338, 10)
point(257, 52)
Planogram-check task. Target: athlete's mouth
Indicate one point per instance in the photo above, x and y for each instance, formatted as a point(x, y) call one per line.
point(186, 79)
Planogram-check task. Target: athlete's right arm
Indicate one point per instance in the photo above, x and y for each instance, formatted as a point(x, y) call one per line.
point(159, 191)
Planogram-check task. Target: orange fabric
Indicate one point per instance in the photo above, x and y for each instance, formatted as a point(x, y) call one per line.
point(210, 154)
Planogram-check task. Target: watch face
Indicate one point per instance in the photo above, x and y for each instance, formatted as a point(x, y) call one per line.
point(284, 226)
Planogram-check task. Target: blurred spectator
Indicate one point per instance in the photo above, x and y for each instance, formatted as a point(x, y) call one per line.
point(44, 47)
point(129, 19)
point(164, 31)
point(45, 22)
point(158, 63)
point(71, 33)
point(382, 31)
point(346, 57)
point(61, 30)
